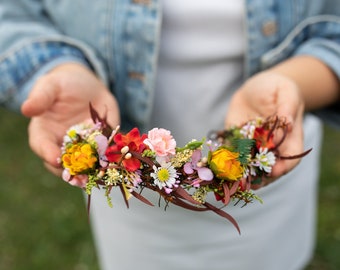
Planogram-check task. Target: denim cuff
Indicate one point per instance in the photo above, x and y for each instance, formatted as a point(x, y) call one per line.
point(22, 67)
point(328, 52)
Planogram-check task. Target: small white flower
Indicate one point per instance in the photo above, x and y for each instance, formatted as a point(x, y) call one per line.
point(248, 130)
point(264, 160)
point(113, 177)
point(249, 171)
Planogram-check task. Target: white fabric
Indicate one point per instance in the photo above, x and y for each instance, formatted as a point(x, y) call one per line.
point(200, 66)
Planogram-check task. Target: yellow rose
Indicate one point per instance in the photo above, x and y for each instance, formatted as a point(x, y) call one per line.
point(225, 164)
point(79, 158)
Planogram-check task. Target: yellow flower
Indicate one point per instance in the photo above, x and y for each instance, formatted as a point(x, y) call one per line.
point(225, 165)
point(72, 133)
point(79, 158)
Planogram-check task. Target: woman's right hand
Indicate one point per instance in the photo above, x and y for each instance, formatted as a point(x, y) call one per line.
point(59, 100)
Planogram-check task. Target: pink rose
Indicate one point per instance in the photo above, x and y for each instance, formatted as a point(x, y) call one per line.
point(161, 142)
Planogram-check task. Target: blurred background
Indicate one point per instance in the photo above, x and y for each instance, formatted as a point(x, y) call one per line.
point(43, 220)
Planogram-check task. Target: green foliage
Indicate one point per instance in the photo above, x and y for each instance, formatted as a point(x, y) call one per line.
point(108, 197)
point(91, 184)
point(148, 153)
point(243, 146)
point(246, 196)
point(191, 145)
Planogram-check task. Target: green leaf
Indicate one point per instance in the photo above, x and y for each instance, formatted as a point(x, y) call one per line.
point(257, 181)
point(193, 145)
point(243, 147)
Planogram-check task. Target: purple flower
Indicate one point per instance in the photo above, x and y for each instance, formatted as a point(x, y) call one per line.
point(204, 173)
point(102, 143)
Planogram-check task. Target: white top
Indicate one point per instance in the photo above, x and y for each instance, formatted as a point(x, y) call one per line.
point(200, 66)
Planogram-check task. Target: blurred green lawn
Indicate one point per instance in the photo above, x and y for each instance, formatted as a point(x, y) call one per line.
point(43, 221)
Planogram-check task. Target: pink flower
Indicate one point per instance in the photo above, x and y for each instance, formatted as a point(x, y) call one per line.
point(161, 142)
point(79, 180)
point(204, 173)
point(102, 144)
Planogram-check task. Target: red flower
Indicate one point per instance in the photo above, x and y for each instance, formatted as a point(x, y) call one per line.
point(135, 143)
point(263, 138)
point(219, 197)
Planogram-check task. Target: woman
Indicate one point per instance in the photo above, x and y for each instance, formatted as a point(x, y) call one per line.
point(188, 66)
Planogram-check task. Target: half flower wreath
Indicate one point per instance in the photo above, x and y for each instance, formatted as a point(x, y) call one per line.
point(95, 155)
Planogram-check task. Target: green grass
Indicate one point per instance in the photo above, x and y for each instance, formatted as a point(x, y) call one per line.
point(327, 254)
point(43, 221)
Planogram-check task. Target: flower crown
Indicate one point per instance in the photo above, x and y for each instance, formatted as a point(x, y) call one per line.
point(95, 155)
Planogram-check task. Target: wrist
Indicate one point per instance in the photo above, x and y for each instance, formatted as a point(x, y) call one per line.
point(318, 85)
point(70, 66)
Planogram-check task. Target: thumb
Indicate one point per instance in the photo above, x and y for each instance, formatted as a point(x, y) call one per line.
point(291, 106)
point(40, 99)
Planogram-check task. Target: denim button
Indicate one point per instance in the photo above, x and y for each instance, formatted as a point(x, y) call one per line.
point(136, 75)
point(269, 28)
point(141, 2)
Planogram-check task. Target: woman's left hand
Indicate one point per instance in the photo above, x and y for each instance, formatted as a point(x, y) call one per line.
point(269, 94)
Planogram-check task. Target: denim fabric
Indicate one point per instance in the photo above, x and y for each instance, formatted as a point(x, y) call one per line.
point(13, 79)
point(120, 39)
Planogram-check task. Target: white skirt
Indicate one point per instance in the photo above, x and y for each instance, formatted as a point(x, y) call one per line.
point(275, 235)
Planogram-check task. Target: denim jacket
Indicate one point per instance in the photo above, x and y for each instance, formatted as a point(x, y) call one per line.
point(119, 40)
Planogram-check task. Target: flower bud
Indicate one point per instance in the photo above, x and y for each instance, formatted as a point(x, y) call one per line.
point(125, 149)
point(101, 174)
point(199, 164)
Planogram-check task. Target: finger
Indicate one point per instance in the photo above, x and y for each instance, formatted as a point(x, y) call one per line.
point(238, 112)
point(44, 143)
point(113, 118)
point(109, 109)
point(265, 181)
point(283, 167)
point(42, 96)
point(54, 170)
point(293, 145)
point(290, 104)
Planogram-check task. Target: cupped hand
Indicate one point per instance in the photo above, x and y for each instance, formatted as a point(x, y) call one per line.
point(60, 99)
point(269, 94)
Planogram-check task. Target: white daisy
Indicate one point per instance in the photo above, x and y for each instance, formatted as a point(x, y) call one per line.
point(164, 176)
point(264, 160)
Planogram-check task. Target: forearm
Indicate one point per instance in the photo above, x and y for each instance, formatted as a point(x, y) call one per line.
point(22, 67)
point(31, 45)
point(318, 84)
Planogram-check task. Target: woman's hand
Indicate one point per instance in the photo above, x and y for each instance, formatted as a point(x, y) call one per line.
point(60, 99)
point(269, 94)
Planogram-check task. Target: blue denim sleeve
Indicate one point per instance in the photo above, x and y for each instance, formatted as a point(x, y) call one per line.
point(317, 36)
point(328, 52)
point(25, 88)
point(23, 66)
